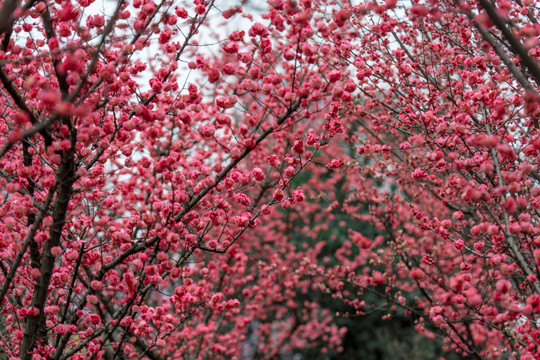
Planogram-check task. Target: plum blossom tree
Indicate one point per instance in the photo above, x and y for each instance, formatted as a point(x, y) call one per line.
point(153, 205)
point(131, 183)
point(447, 123)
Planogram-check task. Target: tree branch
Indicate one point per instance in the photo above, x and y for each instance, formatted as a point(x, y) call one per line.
point(515, 44)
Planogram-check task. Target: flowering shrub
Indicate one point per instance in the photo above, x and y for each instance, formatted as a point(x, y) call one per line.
point(173, 205)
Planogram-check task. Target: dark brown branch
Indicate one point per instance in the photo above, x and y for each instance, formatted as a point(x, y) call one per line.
point(65, 177)
point(31, 217)
point(6, 15)
point(49, 32)
point(7, 38)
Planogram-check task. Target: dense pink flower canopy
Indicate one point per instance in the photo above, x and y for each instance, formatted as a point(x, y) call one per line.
point(174, 173)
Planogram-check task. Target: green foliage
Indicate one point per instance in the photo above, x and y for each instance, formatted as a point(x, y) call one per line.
point(373, 335)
